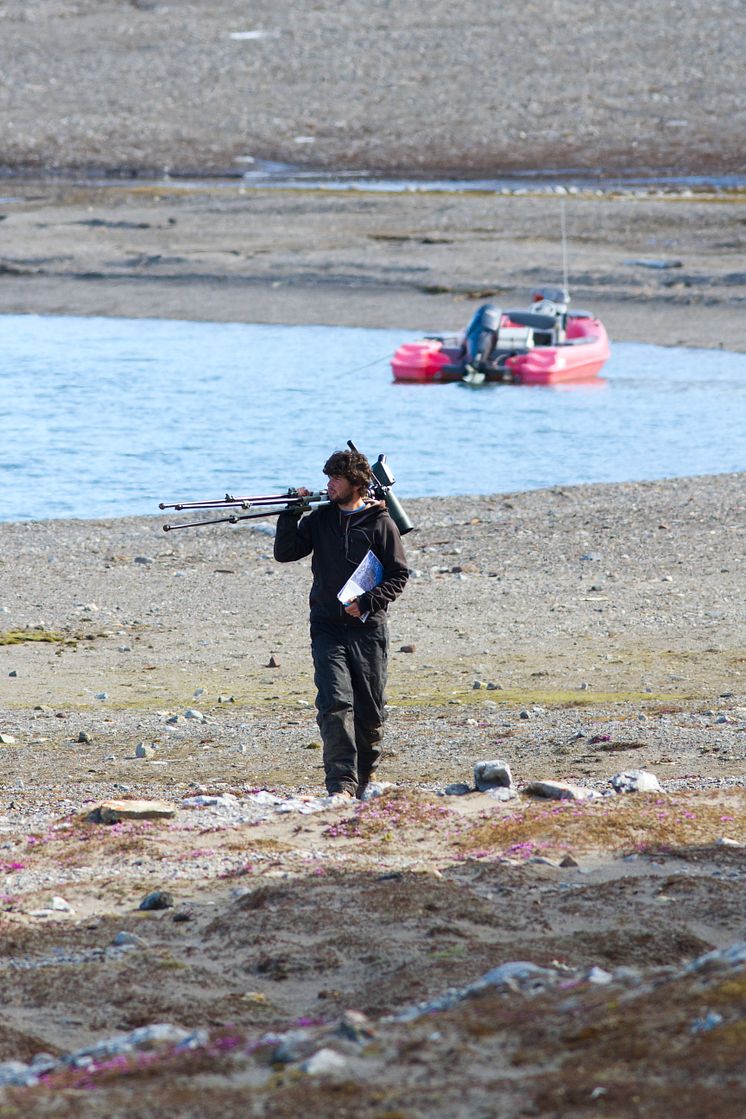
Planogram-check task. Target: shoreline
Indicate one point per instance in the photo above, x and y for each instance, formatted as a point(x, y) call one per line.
point(653, 269)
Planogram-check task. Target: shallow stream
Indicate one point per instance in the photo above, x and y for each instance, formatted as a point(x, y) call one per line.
point(103, 417)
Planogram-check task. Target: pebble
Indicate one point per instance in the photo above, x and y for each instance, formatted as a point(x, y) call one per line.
point(709, 1022)
point(7, 740)
point(325, 1062)
point(355, 1026)
point(599, 976)
point(126, 939)
point(458, 789)
point(143, 750)
point(502, 794)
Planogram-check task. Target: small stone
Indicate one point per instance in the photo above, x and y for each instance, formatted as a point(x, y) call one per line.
point(59, 905)
point(408, 649)
point(16, 1073)
point(273, 662)
point(568, 862)
point(374, 789)
point(524, 714)
point(725, 841)
point(143, 560)
point(226, 699)
point(489, 774)
point(126, 939)
point(101, 695)
point(355, 1026)
point(7, 740)
point(599, 976)
point(159, 899)
point(502, 794)
point(174, 720)
point(516, 974)
point(325, 1062)
point(142, 750)
point(494, 687)
point(193, 713)
point(708, 1022)
point(13, 672)
point(84, 736)
point(458, 789)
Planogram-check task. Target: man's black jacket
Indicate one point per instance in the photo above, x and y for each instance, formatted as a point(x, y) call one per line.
point(339, 541)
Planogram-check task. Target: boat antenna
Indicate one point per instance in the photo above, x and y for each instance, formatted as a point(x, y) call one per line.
point(563, 227)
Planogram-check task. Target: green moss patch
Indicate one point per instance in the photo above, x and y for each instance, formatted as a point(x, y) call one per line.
point(20, 636)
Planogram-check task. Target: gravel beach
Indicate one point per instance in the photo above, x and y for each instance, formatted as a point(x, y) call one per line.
point(232, 942)
point(575, 634)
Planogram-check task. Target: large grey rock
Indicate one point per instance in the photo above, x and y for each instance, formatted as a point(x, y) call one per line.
point(635, 781)
point(492, 774)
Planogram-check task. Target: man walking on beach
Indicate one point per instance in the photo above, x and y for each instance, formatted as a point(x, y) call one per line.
point(349, 641)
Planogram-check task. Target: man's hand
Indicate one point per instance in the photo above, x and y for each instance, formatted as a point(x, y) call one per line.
point(353, 609)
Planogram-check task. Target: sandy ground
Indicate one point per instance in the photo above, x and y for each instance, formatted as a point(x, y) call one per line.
point(575, 633)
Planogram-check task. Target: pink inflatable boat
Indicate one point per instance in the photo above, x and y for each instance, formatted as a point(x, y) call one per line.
point(543, 345)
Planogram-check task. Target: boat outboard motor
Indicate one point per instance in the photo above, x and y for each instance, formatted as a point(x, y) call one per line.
point(480, 340)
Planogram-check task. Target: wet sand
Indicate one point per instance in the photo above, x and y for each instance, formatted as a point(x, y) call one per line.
point(666, 269)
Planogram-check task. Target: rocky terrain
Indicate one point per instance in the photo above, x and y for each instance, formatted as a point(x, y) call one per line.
point(147, 86)
point(419, 954)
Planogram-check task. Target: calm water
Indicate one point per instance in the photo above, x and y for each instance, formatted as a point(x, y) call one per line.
point(107, 417)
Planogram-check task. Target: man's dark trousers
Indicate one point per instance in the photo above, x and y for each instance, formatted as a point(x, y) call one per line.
point(350, 665)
